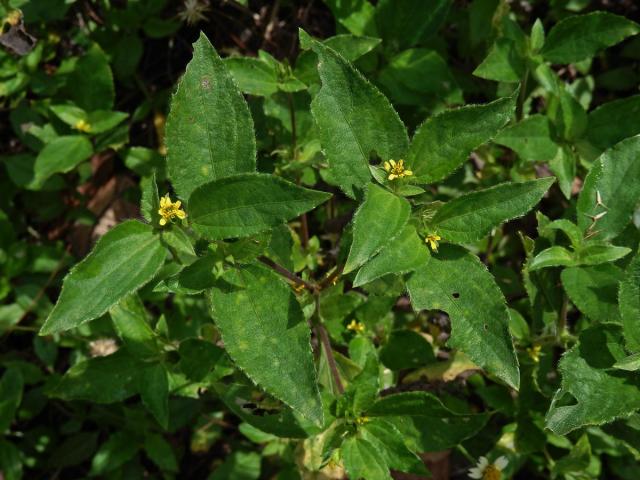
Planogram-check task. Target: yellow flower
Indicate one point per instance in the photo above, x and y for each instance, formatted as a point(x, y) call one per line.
point(355, 326)
point(83, 126)
point(170, 210)
point(396, 169)
point(13, 18)
point(534, 353)
point(362, 420)
point(432, 239)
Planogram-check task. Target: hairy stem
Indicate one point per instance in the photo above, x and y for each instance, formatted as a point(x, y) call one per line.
point(287, 274)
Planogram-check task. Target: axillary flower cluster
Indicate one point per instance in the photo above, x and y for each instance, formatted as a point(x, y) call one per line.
point(170, 210)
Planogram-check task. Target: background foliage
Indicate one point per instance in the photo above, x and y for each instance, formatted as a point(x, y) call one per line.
point(314, 317)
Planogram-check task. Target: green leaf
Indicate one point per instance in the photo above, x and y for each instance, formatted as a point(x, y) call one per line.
point(577, 460)
point(363, 461)
point(357, 16)
point(567, 115)
point(238, 466)
point(614, 176)
point(123, 260)
point(603, 131)
point(570, 229)
point(198, 357)
point(209, 128)
point(504, 63)
point(582, 36)
point(600, 394)
point(403, 254)
point(563, 166)
point(630, 363)
point(388, 440)
point(443, 142)
point(116, 451)
point(11, 385)
point(100, 379)
point(370, 234)
point(530, 138)
point(246, 204)
point(265, 333)
point(363, 389)
point(552, 257)
point(130, 321)
point(160, 452)
point(629, 298)
point(456, 282)
point(74, 450)
point(594, 290)
point(253, 76)
point(596, 253)
point(406, 349)
point(472, 216)
point(90, 84)
point(194, 278)
point(424, 422)
point(352, 47)
point(355, 120)
point(61, 155)
point(415, 74)
point(10, 461)
point(153, 386)
point(406, 23)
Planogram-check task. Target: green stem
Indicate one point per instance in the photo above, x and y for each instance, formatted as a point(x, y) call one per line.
point(321, 333)
point(522, 96)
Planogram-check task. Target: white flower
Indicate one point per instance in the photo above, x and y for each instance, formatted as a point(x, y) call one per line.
point(194, 12)
point(489, 471)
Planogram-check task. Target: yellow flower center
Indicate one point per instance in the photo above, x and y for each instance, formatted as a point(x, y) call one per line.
point(432, 240)
point(491, 473)
point(396, 169)
point(170, 210)
point(355, 326)
point(83, 126)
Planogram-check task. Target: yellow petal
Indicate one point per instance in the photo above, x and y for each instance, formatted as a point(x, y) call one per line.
point(393, 176)
point(408, 173)
point(180, 214)
point(393, 163)
point(177, 204)
point(163, 221)
point(387, 166)
point(163, 201)
point(401, 163)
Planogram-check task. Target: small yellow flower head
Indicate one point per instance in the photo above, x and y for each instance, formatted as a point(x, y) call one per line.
point(362, 420)
point(170, 210)
point(396, 169)
point(534, 353)
point(432, 239)
point(83, 126)
point(355, 326)
point(13, 18)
